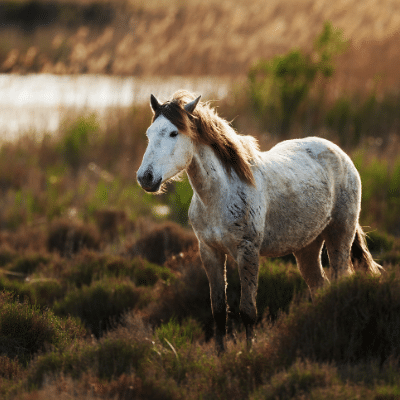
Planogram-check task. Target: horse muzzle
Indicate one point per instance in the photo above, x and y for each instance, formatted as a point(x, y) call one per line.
point(148, 182)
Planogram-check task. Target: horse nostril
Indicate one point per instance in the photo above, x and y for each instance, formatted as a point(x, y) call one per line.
point(148, 177)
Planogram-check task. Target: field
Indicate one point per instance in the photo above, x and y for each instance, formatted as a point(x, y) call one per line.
point(102, 293)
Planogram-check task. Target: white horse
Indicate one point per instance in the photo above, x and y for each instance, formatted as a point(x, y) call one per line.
point(247, 203)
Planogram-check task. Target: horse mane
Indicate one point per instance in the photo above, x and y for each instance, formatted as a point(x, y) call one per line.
point(204, 125)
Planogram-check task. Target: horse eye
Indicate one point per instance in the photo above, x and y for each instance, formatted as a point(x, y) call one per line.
point(173, 134)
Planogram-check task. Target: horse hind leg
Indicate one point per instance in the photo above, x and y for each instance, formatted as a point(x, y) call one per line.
point(309, 263)
point(338, 240)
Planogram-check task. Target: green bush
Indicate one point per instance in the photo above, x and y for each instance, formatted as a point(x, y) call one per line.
point(277, 87)
point(186, 297)
point(26, 330)
point(41, 293)
point(101, 305)
point(357, 117)
point(147, 274)
point(19, 289)
point(69, 237)
point(381, 194)
point(88, 267)
point(163, 241)
point(355, 320)
point(278, 283)
point(45, 292)
point(7, 255)
point(106, 359)
point(27, 264)
point(298, 380)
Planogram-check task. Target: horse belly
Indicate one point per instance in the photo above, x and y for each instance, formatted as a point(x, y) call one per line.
point(293, 222)
point(289, 236)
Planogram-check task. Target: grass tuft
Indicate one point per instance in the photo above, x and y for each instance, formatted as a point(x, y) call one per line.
point(164, 241)
point(102, 304)
point(26, 330)
point(68, 237)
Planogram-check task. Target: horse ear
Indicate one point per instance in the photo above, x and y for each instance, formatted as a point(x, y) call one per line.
point(155, 105)
point(189, 107)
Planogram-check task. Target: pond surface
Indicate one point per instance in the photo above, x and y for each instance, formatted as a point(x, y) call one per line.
point(40, 103)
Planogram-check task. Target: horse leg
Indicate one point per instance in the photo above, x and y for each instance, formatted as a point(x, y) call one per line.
point(309, 263)
point(214, 265)
point(338, 240)
point(248, 264)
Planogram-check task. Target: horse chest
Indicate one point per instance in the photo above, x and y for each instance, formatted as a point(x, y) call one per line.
point(226, 226)
point(206, 222)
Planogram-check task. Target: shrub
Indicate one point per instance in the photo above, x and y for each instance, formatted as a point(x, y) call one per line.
point(28, 263)
point(305, 379)
point(69, 237)
point(119, 267)
point(45, 292)
point(110, 221)
point(300, 379)
point(25, 330)
point(7, 254)
point(9, 368)
point(147, 274)
point(102, 304)
point(11, 373)
point(163, 241)
point(106, 359)
point(38, 292)
point(356, 319)
point(278, 86)
point(86, 267)
point(19, 289)
point(278, 283)
point(186, 297)
point(360, 116)
point(381, 193)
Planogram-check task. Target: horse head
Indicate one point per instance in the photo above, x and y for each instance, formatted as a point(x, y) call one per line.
point(170, 148)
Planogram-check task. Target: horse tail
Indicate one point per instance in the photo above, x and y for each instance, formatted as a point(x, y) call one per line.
point(361, 257)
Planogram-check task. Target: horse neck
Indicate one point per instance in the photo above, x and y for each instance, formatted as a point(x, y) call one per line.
point(206, 173)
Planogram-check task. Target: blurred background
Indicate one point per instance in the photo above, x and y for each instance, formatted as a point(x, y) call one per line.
point(79, 73)
point(79, 238)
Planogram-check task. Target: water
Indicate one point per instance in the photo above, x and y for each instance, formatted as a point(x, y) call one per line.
point(40, 103)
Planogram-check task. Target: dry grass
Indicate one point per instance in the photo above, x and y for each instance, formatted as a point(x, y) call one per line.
point(208, 38)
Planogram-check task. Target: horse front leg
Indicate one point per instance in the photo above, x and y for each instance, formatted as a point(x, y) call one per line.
point(248, 264)
point(214, 265)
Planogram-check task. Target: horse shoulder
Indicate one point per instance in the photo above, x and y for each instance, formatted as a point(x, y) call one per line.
point(205, 221)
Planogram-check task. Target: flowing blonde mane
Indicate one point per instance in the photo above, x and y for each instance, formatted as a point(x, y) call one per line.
point(235, 151)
